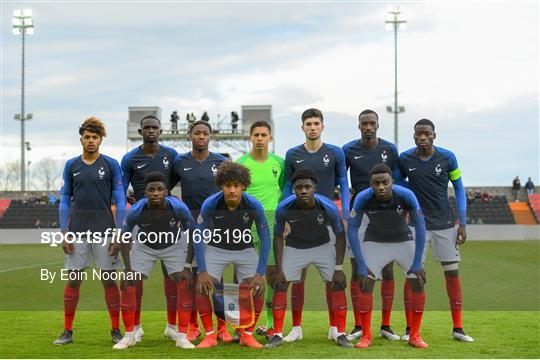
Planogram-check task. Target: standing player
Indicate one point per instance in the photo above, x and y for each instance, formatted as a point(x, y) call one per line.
point(267, 181)
point(91, 180)
point(388, 239)
point(229, 215)
point(360, 156)
point(429, 169)
point(328, 163)
point(158, 217)
point(308, 242)
point(196, 170)
point(151, 156)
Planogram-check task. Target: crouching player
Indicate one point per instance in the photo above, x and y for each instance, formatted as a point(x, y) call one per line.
point(388, 239)
point(158, 217)
point(308, 242)
point(228, 216)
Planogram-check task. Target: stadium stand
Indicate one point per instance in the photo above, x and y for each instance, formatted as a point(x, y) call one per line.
point(22, 214)
point(4, 204)
point(522, 213)
point(534, 203)
point(494, 211)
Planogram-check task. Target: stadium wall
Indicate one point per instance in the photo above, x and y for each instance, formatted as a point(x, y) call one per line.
point(474, 233)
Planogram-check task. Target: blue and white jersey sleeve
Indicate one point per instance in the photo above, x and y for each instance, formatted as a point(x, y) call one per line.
point(182, 212)
point(417, 218)
point(396, 172)
point(262, 230)
point(279, 224)
point(126, 170)
point(454, 174)
point(289, 170)
point(118, 191)
point(66, 192)
point(332, 213)
point(355, 220)
point(342, 181)
point(204, 222)
point(132, 215)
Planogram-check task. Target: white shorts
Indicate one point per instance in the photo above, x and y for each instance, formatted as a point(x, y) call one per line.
point(323, 257)
point(244, 261)
point(443, 245)
point(361, 235)
point(143, 258)
point(378, 254)
point(85, 252)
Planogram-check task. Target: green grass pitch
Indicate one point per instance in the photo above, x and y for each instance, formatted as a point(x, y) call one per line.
point(501, 291)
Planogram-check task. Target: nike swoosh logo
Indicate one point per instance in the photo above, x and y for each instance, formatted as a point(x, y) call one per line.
point(187, 169)
point(220, 217)
point(412, 169)
point(77, 173)
point(358, 157)
point(295, 220)
point(141, 166)
point(145, 224)
point(299, 161)
point(372, 211)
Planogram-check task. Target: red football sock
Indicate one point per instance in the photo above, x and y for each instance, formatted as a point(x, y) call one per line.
point(194, 321)
point(355, 299)
point(112, 299)
point(331, 318)
point(184, 306)
point(297, 303)
point(221, 325)
point(258, 303)
point(278, 310)
point(128, 303)
point(205, 311)
point(407, 293)
point(387, 296)
point(366, 308)
point(417, 304)
point(171, 295)
point(138, 303)
point(71, 299)
point(339, 308)
point(453, 289)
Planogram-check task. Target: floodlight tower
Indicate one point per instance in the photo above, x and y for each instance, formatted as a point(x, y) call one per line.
point(395, 21)
point(23, 25)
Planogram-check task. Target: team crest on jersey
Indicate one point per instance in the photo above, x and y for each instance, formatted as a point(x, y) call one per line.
point(326, 160)
point(399, 210)
point(384, 156)
point(245, 217)
point(214, 169)
point(101, 173)
point(352, 214)
point(274, 172)
point(320, 219)
point(200, 219)
point(165, 162)
point(172, 223)
point(438, 170)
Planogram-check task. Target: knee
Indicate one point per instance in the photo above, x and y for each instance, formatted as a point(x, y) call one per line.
point(281, 286)
point(338, 287)
point(450, 268)
point(416, 287)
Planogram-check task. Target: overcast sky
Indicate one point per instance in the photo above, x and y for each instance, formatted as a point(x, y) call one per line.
point(472, 68)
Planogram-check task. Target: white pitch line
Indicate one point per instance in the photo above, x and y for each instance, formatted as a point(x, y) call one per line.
point(29, 267)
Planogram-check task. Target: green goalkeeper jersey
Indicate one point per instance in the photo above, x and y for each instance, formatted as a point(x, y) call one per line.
point(267, 180)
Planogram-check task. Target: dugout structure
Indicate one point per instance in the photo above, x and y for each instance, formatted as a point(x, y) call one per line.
point(225, 138)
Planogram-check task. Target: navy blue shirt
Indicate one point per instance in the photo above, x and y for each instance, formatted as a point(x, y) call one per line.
point(197, 178)
point(428, 179)
point(92, 187)
point(387, 223)
point(171, 221)
point(361, 160)
point(387, 220)
point(328, 164)
point(135, 165)
point(309, 228)
point(215, 216)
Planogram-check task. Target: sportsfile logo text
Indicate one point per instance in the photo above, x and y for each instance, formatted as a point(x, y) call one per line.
point(236, 236)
